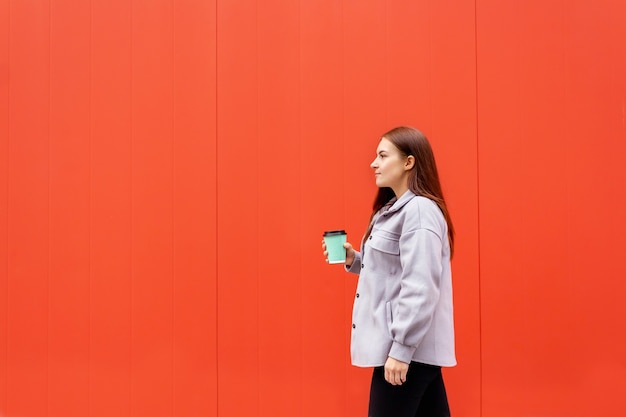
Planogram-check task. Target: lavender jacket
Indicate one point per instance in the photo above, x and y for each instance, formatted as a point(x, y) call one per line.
point(403, 303)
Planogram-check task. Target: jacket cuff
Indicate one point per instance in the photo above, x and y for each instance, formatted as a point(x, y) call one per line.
point(401, 352)
point(355, 268)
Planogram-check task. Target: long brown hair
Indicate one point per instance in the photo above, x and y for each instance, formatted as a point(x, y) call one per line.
point(424, 177)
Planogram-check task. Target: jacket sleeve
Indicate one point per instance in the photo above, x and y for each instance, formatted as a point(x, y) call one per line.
point(420, 258)
point(355, 268)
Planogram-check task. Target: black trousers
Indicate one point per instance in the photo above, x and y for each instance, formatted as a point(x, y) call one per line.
point(422, 395)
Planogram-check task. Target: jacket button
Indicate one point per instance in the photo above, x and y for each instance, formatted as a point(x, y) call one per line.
point(370, 238)
point(357, 295)
point(354, 326)
point(362, 266)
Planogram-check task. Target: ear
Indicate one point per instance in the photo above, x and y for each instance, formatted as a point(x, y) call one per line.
point(409, 163)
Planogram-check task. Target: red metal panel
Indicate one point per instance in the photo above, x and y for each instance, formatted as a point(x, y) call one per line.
point(28, 214)
point(502, 137)
point(593, 149)
point(152, 208)
point(409, 63)
point(4, 197)
point(550, 138)
point(194, 210)
point(365, 119)
point(116, 172)
point(68, 325)
point(542, 255)
point(324, 323)
point(279, 288)
point(238, 208)
point(110, 290)
point(452, 84)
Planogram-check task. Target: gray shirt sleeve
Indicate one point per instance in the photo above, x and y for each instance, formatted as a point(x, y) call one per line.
point(420, 256)
point(355, 268)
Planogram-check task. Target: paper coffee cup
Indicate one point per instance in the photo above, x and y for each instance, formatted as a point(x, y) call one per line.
point(334, 240)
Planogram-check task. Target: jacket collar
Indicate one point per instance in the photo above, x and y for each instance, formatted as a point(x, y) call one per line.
point(400, 202)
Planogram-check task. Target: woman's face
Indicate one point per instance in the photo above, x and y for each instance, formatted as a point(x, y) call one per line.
point(391, 167)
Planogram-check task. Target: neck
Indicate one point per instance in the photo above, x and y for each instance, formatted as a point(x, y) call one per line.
point(398, 191)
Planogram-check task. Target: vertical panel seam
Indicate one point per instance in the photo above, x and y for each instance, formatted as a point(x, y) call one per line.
point(90, 213)
point(301, 374)
point(131, 266)
point(216, 210)
point(430, 67)
point(257, 206)
point(6, 317)
point(300, 197)
point(172, 193)
point(49, 73)
point(343, 183)
point(386, 67)
point(478, 228)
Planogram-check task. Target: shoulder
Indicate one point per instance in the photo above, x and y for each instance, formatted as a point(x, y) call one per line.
point(424, 213)
point(424, 207)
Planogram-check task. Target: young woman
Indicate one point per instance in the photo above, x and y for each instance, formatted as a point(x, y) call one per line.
point(402, 323)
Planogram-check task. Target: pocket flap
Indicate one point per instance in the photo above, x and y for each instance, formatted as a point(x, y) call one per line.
point(385, 244)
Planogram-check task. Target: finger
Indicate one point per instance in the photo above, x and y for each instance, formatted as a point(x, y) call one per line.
point(398, 378)
point(391, 377)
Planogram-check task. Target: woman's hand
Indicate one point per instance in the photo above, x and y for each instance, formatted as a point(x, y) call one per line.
point(395, 371)
point(349, 252)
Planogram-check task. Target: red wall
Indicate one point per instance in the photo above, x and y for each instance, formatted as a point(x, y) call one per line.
point(552, 151)
point(167, 168)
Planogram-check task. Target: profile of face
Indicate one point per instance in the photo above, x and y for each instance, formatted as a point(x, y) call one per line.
point(392, 167)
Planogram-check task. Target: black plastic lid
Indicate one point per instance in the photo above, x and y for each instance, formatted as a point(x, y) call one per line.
point(334, 232)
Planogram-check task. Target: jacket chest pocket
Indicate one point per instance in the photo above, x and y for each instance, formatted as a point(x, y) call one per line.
point(385, 243)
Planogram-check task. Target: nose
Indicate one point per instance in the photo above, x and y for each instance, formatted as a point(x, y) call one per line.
point(373, 165)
